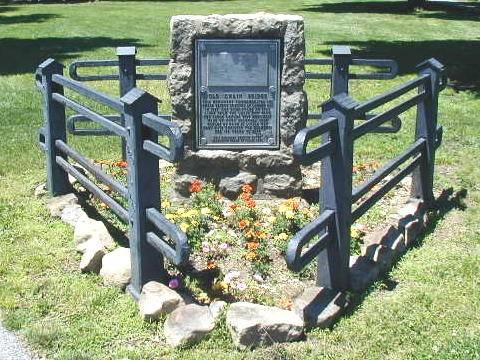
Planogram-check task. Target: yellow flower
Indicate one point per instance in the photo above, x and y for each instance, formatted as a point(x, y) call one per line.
point(170, 216)
point(216, 218)
point(289, 214)
point(194, 223)
point(282, 208)
point(205, 211)
point(166, 204)
point(180, 211)
point(220, 286)
point(191, 213)
point(281, 237)
point(271, 219)
point(184, 226)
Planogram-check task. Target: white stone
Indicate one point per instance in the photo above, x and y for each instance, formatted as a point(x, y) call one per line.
point(188, 324)
point(319, 307)
point(92, 258)
point(156, 300)
point(58, 203)
point(252, 325)
point(88, 229)
point(216, 308)
point(40, 190)
point(72, 214)
point(116, 268)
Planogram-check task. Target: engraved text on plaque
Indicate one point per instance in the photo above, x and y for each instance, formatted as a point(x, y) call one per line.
point(237, 93)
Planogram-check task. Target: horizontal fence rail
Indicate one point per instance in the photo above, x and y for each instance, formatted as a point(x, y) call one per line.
point(154, 238)
point(336, 132)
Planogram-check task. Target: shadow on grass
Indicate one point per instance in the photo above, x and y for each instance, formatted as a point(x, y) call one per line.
point(460, 57)
point(32, 18)
point(20, 56)
point(446, 202)
point(444, 10)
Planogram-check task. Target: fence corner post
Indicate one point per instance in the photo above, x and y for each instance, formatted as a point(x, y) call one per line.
point(341, 60)
point(55, 126)
point(127, 78)
point(426, 127)
point(333, 270)
point(143, 189)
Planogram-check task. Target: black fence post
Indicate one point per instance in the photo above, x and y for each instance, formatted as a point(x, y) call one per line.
point(143, 189)
point(127, 74)
point(341, 60)
point(54, 128)
point(426, 126)
point(336, 194)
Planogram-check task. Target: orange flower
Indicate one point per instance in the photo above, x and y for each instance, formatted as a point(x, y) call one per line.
point(233, 207)
point(285, 304)
point(252, 245)
point(195, 186)
point(250, 234)
point(211, 265)
point(247, 188)
point(251, 203)
point(261, 235)
point(123, 164)
point(243, 224)
point(245, 196)
point(295, 205)
point(251, 256)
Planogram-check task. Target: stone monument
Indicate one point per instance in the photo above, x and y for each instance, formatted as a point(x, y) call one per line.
point(236, 86)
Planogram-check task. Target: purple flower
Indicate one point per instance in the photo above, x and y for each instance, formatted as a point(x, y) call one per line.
point(174, 283)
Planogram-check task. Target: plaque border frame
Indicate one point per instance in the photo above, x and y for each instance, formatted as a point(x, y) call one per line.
point(197, 86)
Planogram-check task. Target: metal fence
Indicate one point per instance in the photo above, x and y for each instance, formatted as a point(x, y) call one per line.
point(153, 237)
point(327, 238)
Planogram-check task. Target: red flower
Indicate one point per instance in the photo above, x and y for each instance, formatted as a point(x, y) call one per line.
point(195, 186)
point(247, 188)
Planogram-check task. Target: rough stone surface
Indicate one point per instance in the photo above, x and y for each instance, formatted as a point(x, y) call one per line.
point(388, 236)
point(72, 214)
point(413, 207)
point(58, 203)
point(116, 268)
point(282, 185)
point(231, 187)
point(252, 325)
point(319, 307)
point(216, 308)
point(381, 255)
point(217, 165)
point(40, 190)
point(88, 229)
point(182, 184)
point(92, 257)
point(363, 272)
point(188, 324)
point(412, 229)
point(157, 299)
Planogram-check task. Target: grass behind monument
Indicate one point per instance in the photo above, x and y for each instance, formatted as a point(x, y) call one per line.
point(427, 307)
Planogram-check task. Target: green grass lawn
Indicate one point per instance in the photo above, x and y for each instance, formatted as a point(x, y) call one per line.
point(428, 306)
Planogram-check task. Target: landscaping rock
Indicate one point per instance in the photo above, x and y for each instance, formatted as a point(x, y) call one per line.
point(388, 236)
point(40, 190)
point(182, 184)
point(216, 308)
point(282, 185)
point(412, 229)
point(72, 214)
point(58, 203)
point(157, 299)
point(88, 229)
point(231, 187)
point(252, 325)
point(92, 257)
point(363, 272)
point(116, 268)
point(413, 207)
point(383, 256)
point(319, 307)
point(188, 324)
